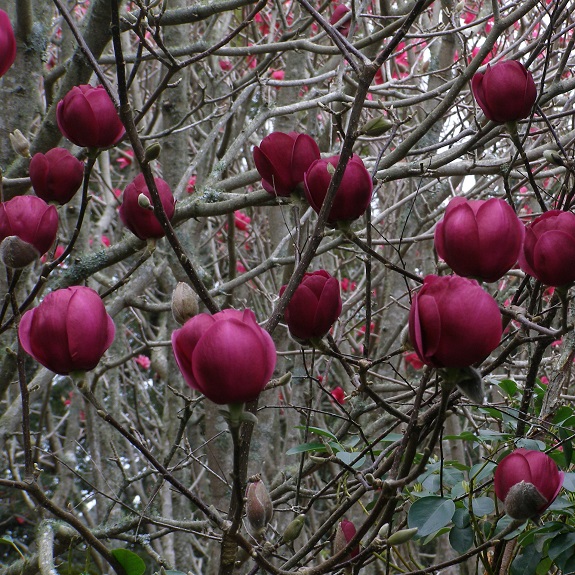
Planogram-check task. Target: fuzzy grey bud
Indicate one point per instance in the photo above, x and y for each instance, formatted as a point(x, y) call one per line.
point(553, 157)
point(184, 303)
point(153, 152)
point(15, 253)
point(402, 536)
point(377, 126)
point(293, 530)
point(523, 500)
point(144, 202)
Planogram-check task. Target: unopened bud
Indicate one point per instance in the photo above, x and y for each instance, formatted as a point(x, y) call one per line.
point(144, 202)
point(293, 530)
point(377, 126)
point(15, 253)
point(259, 507)
point(184, 303)
point(523, 501)
point(19, 143)
point(383, 531)
point(330, 169)
point(343, 535)
point(152, 152)
point(553, 157)
point(402, 536)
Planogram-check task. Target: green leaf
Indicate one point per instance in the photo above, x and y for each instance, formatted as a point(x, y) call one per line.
point(526, 563)
point(172, 572)
point(461, 518)
point(481, 471)
point(508, 386)
point(561, 543)
point(132, 563)
point(430, 514)
point(7, 539)
point(303, 447)
point(461, 539)
point(464, 435)
point(564, 412)
point(349, 459)
point(318, 431)
point(532, 444)
point(432, 536)
point(482, 506)
point(569, 482)
point(564, 434)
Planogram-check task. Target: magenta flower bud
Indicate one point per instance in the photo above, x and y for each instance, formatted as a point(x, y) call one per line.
point(453, 322)
point(343, 535)
point(31, 219)
point(282, 159)
point(69, 331)
point(549, 248)
point(259, 507)
point(340, 11)
point(56, 175)
point(87, 117)
point(527, 482)
point(314, 306)
point(226, 356)
point(142, 221)
point(353, 195)
point(505, 92)
point(7, 44)
point(479, 239)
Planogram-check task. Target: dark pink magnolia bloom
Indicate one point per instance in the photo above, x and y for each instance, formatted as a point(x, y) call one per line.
point(505, 91)
point(354, 192)
point(549, 249)
point(338, 395)
point(453, 322)
point(526, 466)
point(87, 117)
point(479, 239)
point(142, 221)
point(69, 331)
point(314, 306)
point(343, 535)
point(31, 219)
point(340, 11)
point(282, 159)
point(7, 44)
point(56, 175)
point(226, 356)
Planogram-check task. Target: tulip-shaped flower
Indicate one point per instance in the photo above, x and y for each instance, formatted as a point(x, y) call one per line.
point(453, 322)
point(354, 192)
point(549, 248)
point(226, 356)
point(314, 306)
point(505, 92)
point(479, 239)
point(28, 225)
point(87, 117)
point(343, 535)
point(69, 331)
point(7, 44)
point(56, 175)
point(138, 216)
point(527, 482)
point(340, 11)
point(282, 159)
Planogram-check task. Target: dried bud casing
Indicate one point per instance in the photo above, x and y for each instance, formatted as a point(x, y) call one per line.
point(523, 500)
point(259, 507)
point(19, 143)
point(15, 253)
point(184, 303)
